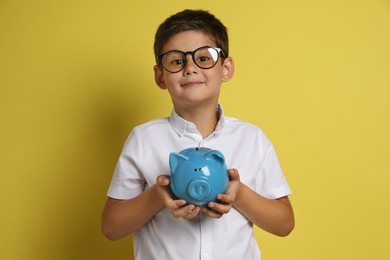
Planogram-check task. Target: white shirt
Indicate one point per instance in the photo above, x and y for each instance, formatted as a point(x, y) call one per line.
point(145, 156)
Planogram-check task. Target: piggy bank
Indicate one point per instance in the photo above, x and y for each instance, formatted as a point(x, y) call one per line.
point(198, 175)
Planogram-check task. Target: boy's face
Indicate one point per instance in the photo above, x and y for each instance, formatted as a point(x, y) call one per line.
point(193, 86)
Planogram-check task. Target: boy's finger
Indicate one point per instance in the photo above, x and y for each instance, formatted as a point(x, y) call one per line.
point(219, 207)
point(181, 211)
point(192, 213)
point(225, 198)
point(176, 205)
point(163, 180)
point(233, 174)
point(213, 213)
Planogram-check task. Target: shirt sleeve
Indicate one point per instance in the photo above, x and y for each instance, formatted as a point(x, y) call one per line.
point(127, 181)
point(271, 181)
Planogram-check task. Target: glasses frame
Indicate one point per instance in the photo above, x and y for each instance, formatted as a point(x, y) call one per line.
point(219, 52)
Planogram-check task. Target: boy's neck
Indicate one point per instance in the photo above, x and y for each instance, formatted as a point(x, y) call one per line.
point(205, 118)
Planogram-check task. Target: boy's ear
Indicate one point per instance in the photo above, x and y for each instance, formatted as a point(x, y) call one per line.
point(228, 69)
point(158, 77)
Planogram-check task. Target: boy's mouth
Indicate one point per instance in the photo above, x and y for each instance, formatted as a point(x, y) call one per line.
point(191, 83)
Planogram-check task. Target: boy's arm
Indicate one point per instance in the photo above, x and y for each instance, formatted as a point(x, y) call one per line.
point(273, 215)
point(123, 217)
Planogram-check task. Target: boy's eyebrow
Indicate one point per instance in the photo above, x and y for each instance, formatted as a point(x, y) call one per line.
point(189, 52)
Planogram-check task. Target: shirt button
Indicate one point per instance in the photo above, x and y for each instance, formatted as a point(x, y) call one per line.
point(205, 255)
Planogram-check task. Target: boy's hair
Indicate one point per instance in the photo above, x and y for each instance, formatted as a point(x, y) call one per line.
point(197, 20)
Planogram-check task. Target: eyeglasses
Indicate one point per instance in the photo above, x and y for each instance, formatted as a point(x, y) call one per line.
point(204, 57)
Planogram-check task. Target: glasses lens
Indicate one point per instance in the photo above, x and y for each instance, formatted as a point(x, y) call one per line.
point(173, 61)
point(206, 57)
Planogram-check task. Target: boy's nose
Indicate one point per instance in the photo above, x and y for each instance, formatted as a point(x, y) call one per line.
point(190, 67)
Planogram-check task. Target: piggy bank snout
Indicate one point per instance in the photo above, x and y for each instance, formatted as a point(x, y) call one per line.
point(199, 189)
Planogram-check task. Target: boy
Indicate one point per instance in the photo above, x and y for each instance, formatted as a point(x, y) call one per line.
point(191, 49)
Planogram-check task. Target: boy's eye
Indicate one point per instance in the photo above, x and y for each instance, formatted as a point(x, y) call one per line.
point(203, 59)
point(177, 62)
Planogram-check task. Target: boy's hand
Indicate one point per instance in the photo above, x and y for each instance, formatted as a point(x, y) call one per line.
point(216, 210)
point(176, 207)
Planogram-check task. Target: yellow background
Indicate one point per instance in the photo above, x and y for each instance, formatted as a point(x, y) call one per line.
point(76, 76)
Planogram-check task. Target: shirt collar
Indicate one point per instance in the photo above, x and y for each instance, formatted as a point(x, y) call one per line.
point(182, 126)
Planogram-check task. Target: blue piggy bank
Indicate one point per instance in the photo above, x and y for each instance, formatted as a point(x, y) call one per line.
point(198, 175)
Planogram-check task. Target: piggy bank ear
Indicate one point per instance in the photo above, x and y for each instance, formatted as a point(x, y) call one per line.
point(175, 159)
point(215, 155)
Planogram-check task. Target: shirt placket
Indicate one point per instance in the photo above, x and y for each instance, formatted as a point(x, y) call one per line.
point(206, 241)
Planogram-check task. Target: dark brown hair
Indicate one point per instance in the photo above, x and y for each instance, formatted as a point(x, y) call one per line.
point(197, 20)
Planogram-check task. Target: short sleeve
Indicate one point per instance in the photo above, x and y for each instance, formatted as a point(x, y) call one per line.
point(271, 182)
point(127, 181)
